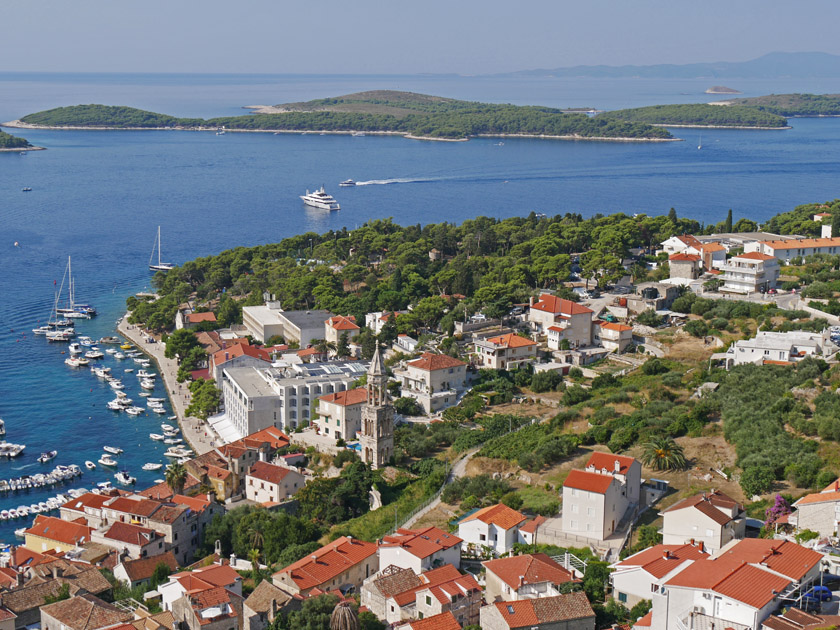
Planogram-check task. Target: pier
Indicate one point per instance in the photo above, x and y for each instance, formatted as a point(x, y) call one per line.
point(197, 433)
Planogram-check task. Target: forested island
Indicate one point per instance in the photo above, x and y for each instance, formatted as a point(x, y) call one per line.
point(10, 142)
point(415, 115)
point(700, 114)
point(793, 105)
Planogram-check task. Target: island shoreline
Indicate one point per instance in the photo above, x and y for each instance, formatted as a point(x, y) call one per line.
point(19, 124)
point(21, 149)
point(748, 127)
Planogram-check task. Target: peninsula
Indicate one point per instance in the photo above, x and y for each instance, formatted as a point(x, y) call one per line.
point(384, 111)
point(700, 115)
point(791, 105)
point(8, 142)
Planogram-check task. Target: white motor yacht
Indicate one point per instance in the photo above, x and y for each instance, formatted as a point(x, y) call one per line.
point(75, 348)
point(134, 411)
point(112, 449)
point(124, 478)
point(320, 199)
point(94, 353)
point(73, 361)
point(119, 355)
point(107, 460)
point(90, 465)
point(156, 436)
point(147, 384)
point(347, 183)
point(116, 384)
point(145, 374)
point(151, 466)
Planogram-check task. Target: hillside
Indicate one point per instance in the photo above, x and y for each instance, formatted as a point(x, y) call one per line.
point(8, 141)
point(406, 113)
point(698, 115)
point(793, 105)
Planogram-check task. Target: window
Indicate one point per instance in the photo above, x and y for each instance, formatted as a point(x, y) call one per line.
point(622, 597)
point(482, 537)
point(590, 511)
point(428, 600)
point(574, 508)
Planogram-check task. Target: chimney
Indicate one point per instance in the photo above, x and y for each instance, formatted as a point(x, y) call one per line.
point(617, 466)
point(666, 554)
point(692, 542)
point(273, 609)
point(531, 301)
point(19, 578)
point(227, 356)
point(521, 581)
point(701, 546)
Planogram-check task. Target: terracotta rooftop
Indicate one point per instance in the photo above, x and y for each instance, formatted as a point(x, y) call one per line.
point(684, 258)
point(802, 243)
point(268, 472)
point(66, 532)
point(712, 247)
point(559, 306)
point(144, 568)
point(137, 507)
point(818, 497)
point(443, 621)
point(645, 622)
point(197, 503)
point(396, 580)
point(86, 612)
point(428, 580)
point(272, 436)
point(328, 562)
point(588, 481)
point(238, 350)
point(544, 610)
point(710, 504)
point(348, 397)
point(531, 526)
point(601, 461)
point(340, 322)
point(87, 500)
point(528, 569)
point(260, 600)
point(432, 362)
point(499, 515)
point(660, 560)
point(131, 534)
point(781, 556)
point(511, 340)
point(754, 256)
point(421, 543)
point(195, 318)
point(614, 326)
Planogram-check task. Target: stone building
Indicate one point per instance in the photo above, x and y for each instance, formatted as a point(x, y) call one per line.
point(377, 440)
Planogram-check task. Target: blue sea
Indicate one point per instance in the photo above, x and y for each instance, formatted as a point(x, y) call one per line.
point(99, 196)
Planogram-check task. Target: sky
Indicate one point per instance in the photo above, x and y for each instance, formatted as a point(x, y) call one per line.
point(400, 37)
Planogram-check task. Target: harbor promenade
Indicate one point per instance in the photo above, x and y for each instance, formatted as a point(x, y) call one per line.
point(196, 432)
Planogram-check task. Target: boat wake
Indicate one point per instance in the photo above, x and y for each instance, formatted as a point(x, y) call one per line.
point(399, 180)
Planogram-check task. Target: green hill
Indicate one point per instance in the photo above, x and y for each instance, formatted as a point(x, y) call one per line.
point(699, 114)
point(8, 141)
point(793, 104)
point(388, 111)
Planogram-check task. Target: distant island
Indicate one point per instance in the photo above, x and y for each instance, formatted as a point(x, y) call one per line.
point(700, 115)
point(721, 89)
point(775, 65)
point(8, 142)
point(384, 111)
point(792, 105)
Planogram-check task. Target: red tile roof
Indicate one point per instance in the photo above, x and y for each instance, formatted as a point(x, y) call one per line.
point(614, 326)
point(684, 258)
point(421, 543)
point(819, 497)
point(428, 580)
point(87, 500)
point(195, 318)
point(329, 561)
point(528, 569)
point(780, 556)
point(131, 534)
point(525, 613)
point(754, 256)
point(645, 622)
point(348, 397)
point(531, 526)
point(589, 481)
point(802, 243)
point(432, 362)
point(511, 340)
point(272, 436)
point(136, 507)
point(238, 350)
point(553, 304)
point(144, 568)
point(218, 575)
point(660, 560)
point(443, 621)
point(340, 322)
point(191, 583)
point(688, 239)
point(197, 503)
point(712, 247)
point(499, 515)
point(709, 503)
point(268, 472)
point(66, 532)
point(608, 460)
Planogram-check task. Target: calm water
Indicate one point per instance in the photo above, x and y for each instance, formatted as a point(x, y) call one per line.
point(100, 195)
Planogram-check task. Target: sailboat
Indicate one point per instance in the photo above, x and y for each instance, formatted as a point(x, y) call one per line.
point(160, 266)
point(73, 310)
point(700, 143)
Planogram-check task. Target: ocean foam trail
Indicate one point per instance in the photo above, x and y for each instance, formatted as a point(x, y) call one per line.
point(399, 180)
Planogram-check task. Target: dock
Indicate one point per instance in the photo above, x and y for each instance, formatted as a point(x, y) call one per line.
point(197, 433)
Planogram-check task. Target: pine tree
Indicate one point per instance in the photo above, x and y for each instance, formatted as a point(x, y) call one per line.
point(727, 226)
point(835, 224)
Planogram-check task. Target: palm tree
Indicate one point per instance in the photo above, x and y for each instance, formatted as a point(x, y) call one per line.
point(344, 617)
point(254, 557)
point(663, 453)
point(176, 477)
point(257, 538)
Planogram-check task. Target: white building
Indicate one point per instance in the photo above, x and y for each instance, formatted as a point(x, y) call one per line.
point(612, 335)
point(681, 243)
point(375, 321)
point(775, 348)
point(269, 320)
point(340, 325)
point(527, 576)
point(255, 399)
point(404, 343)
point(495, 527)
point(596, 499)
point(575, 319)
point(750, 272)
point(819, 511)
point(267, 483)
point(571, 611)
point(636, 577)
point(505, 352)
point(709, 519)
point(420, 550)
point(787, 250)
point(339, 415)
point(433, 380)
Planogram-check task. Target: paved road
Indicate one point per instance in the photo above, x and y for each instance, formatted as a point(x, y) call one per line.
point(196, 432)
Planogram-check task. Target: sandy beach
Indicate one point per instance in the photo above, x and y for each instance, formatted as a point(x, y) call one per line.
point(195, 431)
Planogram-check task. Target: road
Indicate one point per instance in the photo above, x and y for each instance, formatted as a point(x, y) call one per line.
point(459, 469)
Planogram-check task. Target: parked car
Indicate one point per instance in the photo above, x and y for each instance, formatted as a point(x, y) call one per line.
point(772, 291)
point(817, 594)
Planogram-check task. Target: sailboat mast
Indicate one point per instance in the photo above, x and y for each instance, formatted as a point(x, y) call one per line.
point(158, 246)
point(70, 277)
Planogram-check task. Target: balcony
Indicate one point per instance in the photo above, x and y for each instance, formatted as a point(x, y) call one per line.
point(700, 621)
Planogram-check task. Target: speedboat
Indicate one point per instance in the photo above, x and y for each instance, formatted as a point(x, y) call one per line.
point(145, 394)
point(124, 478)
point(147, 384)
point(75, 348)
point(90, 465)
point(107, 460)
point(47, 456)
point(2, 428)
point(42, 330)
point(127, 346)
point(73, 361)
point(112, 449)
point(83, 361)
point(320, 199)
point(145, 374)
point(94, 354)
point(156, 436)
point(116, 384)
point(111, 351)
point(167, 427)
point(84, 340)
point(134, 411)
point(115, 405)
point(347, 182)
point(151, 466)
point(104, 485)
point(119, 355)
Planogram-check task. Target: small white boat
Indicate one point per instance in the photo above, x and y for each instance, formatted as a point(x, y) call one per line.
point(347, 183)
point(116, 384)
point(151, 466)
point(73, 361)
point(47, 456)
point(172, 418)
point(128, 370)
point(104, 485)
point(111, 351)
point(85, 341)
point(134, 411)
point(145, 394)
point(156, 436)
point(112, 449)
point(75, 348)
point(147, 384)
point(119, 355)
point(107, 460)
point(83, 361)
point(145, 374)
point(167, 427)
point(90, 465)
point(115, 405)
point(157, 401)
point(124, 478)
point(94, 354)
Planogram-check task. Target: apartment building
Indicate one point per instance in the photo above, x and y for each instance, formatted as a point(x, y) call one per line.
point(505, 352)
point(339, 415)
point(710, 519)
point(434, 380)
point(750, 272)
point(495, 527)
point(344, 562)
point(786, 250)
point(420, 550)
point(574, 319)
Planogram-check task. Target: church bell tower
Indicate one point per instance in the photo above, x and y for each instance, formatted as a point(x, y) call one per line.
point(377, 439)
